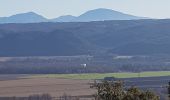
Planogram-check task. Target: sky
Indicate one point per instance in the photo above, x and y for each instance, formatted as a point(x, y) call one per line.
point(56, 8)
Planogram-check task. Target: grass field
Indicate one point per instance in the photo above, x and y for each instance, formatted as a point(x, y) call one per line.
point(101, 76)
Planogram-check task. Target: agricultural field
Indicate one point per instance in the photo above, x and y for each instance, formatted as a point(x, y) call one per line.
point(23, 87)
point(103, 75)
point(75, 84)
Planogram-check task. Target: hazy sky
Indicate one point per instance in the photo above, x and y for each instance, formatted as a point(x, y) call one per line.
point(55, 8)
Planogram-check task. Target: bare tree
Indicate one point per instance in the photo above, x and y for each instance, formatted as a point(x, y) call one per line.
point(109, 90)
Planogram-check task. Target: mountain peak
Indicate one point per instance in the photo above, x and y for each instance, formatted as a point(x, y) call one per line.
point(100, 14)
point(102, 10)
point(29, 17)
point(26, 14)
point(65, 18)
point(31, 12)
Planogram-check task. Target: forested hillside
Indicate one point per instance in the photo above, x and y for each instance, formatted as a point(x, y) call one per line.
point(138, 37)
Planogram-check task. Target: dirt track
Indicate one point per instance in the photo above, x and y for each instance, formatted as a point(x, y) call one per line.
point(53, 86)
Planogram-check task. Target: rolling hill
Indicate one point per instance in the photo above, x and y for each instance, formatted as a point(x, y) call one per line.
point(128, 37)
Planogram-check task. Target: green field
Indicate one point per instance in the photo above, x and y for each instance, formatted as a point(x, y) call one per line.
point(101, 76)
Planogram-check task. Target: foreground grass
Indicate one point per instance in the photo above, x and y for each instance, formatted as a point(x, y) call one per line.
point(101, 76)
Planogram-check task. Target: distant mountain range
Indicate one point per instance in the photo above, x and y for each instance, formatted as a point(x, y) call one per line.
point(29, 17)
point(93, 15)
point(121, 37)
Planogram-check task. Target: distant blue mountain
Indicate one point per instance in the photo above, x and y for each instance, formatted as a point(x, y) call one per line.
point(105, 14)
point(29, 17)
point(92, 15)
point(67, 18)
point(98, 15)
